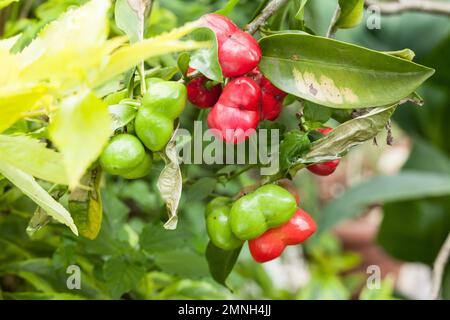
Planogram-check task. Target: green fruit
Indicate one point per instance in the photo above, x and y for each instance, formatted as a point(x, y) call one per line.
point(142, 169)
point(161, 105)
point(165, 97)
point(267, 207)
point(123, 153)
point(153, 129)
point(218, 226)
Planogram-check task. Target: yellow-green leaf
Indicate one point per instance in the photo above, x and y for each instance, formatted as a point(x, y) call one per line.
point(5, 3)
point(80, 129)
point(85, 205)
point(127, 57)
point(33, 157)
point(35, 192)
point(76, 30)
point(14, 103)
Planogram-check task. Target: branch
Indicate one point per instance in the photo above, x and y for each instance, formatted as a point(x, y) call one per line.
point(265, 14)
point(428, 6)
point(439, 267)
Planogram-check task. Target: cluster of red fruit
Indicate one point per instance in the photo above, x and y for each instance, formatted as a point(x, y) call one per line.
point(248, 97)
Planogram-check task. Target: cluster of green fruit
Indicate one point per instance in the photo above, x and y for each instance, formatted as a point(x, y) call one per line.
point(130, 155)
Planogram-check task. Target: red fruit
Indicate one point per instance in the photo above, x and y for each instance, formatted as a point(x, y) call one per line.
point(271, 244)
point(272, 97)
point(199, 94)
point(238, 51)
point(236, 114)
point(221, 25)
point(239, 54)
point(324, 168)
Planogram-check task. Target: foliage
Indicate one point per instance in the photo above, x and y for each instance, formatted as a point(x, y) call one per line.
point(71, 75)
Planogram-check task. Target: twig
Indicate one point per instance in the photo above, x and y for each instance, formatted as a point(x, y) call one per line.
point(332, 28)
point(439, 267)
point(265, 14)
point(428, 6)
point(389, 135)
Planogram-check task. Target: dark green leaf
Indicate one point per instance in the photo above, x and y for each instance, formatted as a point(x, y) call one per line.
point(316, 113)
point(182, 262)
point(201, 189)
point(415, 230)
point(122, 273)
point(384, 189)
point(221, 262)
point(293, 146)
point(155, 238)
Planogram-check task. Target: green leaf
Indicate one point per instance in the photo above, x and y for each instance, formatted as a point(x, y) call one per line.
point(42, 296)
point(14, 103)
point(86, 205)
point(406, 54)
point(80, 129)
point(418, 240)
point(35, 192)
point(226, 9)
point(5, 3)
point(351, 133)
point(323, 71)
point(122, 273)
point(301, 10)
point(206, 61)
point(129, 56)
point(406, 185)
point(183, 63)
point(201, 189)
point(130, 18)
point(351, 13)
point(170, 182)
point(385, 292)
point(121, 115)
point(154, 238)
point(195, 265)
point(293, 146)
point(221, 262)
point(316, 113)
point(33, 157)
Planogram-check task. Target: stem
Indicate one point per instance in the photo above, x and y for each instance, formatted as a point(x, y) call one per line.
point(397, 7)
point(265, 14)
point(332, 28)
point(241, 171)
point(141, 68)
point(439, 267)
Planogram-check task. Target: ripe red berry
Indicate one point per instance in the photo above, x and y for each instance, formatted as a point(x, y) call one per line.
point(238, 51)
point(272, 97)
point(271, 244)
point(199, 94)
point(235, 116)
point(324, 168)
